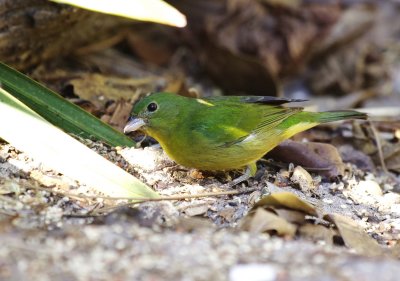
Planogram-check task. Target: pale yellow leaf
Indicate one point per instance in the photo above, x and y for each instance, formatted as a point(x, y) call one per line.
point(145, 10)
point(28, 132)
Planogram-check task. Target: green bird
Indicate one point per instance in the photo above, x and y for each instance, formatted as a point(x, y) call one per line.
point(223, 133)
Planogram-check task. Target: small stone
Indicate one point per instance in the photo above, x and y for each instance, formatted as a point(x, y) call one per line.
point(197, 210)
point(390, 198)
point(227, 213)
point(368, 187)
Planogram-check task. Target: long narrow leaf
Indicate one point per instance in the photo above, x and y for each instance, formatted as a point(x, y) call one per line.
point(29, 132)
point(146, 10)
point(57, 110)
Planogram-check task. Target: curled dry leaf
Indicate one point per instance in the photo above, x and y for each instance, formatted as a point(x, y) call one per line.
point(355, 237)
point(319, 157)
point(278, 212)
point(265, 221)
point(285, 214)
point(286, 200)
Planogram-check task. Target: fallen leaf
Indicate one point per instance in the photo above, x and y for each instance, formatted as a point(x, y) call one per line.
point(355, 237)
point(286, 200)
point(120, 114)
point(319, 157)
point(99, 89)
point(291, 216)
point(66, 155)
point(317, 233)
point(265, 221)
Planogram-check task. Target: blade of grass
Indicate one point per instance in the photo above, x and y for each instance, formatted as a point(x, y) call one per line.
point(57, 110)
point(28, 132)
point(145, 10)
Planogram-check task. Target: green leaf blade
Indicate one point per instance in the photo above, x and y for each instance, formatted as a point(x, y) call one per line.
point(58, 111)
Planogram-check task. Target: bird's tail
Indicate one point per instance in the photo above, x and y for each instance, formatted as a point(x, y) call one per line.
point(331, 116)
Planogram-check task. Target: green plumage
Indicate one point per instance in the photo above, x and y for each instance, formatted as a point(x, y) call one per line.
point(223, 133)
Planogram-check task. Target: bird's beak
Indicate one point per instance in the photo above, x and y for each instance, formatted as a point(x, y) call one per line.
point(134, 124)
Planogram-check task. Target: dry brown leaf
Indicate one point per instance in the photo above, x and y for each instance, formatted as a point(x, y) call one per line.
point(355, 237)
point(317, 232)
point(286, 200)
point(291, 216)
point(99, 89)
point(265, 221)
point(120, 114)
point(322, 157)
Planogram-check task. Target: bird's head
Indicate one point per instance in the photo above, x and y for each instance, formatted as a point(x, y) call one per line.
point(154, 113)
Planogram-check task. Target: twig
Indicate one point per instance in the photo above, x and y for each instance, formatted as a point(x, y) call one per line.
point(379, 147)
point(138, 200)
point(146, 199)
point(179, 197)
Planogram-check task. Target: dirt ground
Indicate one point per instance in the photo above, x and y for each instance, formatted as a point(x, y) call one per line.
point(48, 235)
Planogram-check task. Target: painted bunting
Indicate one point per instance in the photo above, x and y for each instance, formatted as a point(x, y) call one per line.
point(223, 133)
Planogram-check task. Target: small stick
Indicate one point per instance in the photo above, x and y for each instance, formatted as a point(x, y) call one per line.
point(147, 199)
point(379, 147)
point(108, 210)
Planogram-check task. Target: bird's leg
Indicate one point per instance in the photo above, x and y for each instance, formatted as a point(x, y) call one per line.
point(250, 171)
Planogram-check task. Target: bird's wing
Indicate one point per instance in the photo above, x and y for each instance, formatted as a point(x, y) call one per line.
point(268, 100)
point(266, 125)
point(236, 121)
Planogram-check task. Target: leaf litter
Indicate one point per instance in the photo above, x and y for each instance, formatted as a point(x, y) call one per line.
point(322, 210)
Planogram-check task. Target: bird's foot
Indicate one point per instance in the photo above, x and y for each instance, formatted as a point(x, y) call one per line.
point(247, 174)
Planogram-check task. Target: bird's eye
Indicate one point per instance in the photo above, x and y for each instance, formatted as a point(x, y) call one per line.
point(152, 107)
